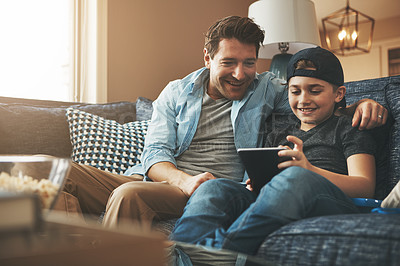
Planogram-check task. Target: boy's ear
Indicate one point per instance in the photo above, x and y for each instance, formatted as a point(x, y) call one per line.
point(207, 58)
point(340, 92)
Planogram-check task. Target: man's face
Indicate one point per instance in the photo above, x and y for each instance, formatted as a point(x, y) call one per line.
point(232, 69)
point(313, 100)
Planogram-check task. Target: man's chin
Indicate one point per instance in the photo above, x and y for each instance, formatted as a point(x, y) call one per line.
point(235, 96)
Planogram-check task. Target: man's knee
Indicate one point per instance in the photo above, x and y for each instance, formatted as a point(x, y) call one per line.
point(220, 191)
point(219, 184)
point(130, 191)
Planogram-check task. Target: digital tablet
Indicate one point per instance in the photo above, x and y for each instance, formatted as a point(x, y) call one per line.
point(261, 164)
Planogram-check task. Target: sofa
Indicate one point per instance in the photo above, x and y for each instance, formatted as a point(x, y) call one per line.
point(85, 132)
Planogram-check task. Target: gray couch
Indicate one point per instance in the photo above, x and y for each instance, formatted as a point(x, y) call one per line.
point(32, 127)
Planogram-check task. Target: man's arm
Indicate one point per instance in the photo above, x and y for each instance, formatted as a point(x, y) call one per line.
point(167, 172)
point(158, 156)
point(367, 114)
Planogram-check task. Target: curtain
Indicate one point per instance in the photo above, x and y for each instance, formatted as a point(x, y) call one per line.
point(90, 51)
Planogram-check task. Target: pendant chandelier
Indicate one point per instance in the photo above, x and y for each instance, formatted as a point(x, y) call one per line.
point(348, 31)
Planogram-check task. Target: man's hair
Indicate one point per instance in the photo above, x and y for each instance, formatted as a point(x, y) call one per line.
point(241, 28)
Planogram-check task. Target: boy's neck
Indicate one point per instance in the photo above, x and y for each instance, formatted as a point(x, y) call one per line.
point(308, 126)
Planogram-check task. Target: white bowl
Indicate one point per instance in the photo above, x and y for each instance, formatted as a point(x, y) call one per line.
point(38, 174)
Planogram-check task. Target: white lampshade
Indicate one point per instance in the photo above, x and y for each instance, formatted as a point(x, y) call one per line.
point(290, 21)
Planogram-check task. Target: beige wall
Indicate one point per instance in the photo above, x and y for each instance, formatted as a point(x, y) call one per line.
point(153, 42)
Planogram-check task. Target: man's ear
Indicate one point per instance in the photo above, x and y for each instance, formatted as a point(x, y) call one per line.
point(340, 92)
point(207, 58)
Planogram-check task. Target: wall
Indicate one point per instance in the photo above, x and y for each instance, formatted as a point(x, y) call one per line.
point(153, 42)
point(375, 63)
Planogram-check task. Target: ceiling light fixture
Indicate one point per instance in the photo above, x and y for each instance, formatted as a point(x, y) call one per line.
point(348, 31)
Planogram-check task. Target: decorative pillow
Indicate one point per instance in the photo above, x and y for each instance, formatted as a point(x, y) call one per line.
point(103, 143)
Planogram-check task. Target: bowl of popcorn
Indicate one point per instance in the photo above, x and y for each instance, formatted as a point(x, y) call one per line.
point(34, 174)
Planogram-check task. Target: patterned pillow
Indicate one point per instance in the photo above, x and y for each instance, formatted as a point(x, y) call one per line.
point(103, 143)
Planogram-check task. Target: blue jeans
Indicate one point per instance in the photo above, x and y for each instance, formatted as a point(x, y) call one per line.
point(224, 214)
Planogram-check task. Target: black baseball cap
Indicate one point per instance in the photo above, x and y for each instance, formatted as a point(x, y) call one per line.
point(328, 67)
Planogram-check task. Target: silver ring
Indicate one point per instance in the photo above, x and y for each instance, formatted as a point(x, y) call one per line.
point(380, 116)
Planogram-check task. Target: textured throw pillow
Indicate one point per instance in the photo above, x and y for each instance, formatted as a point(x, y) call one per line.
point(103, 143)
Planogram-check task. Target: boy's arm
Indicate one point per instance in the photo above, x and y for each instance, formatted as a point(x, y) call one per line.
point(360, 181)
point(367, 114)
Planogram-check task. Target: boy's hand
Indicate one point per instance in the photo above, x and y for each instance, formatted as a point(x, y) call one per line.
point(298, 157)
point(248, 184)
point(369, 114)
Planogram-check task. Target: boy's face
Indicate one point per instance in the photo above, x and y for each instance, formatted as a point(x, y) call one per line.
point(232, 69)
point(313, 100)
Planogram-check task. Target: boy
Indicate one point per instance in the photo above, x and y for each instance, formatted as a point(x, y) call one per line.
point(332, 162)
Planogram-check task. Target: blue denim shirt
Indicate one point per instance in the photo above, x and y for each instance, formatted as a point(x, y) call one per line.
point(176, 113)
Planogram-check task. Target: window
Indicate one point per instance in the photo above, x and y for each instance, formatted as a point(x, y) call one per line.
point(36, 50)
point(54, 49)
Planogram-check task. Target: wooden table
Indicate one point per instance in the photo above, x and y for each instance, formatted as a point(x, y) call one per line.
point(60, 242)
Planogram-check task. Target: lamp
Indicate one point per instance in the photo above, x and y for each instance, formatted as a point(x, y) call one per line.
point(348, 31)
point(289, 25)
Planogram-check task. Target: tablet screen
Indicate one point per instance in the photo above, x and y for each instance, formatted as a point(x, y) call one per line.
point(261, 164)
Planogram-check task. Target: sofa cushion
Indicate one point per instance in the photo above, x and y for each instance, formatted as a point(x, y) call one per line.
point(122, 112)
point(40, 127)
point(386, 92)
point(144, 109)
point(353, 239)
point(104, 143)
point(392, 91)
point(33, 130)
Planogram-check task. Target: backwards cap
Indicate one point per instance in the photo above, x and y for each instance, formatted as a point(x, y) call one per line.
point(328, 67)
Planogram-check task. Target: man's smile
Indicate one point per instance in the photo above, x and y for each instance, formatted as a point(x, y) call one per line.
point(235, 83)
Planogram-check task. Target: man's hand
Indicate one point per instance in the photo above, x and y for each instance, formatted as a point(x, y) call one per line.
point(167, 172)
point(369, 114)
point(190, 184)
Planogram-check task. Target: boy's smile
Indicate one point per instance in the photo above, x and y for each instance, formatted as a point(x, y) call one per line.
point(312, 100)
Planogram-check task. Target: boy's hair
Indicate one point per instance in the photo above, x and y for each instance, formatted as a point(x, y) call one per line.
point(317, 63)
point(241, 28)
point(327, 66)
point(307, 64)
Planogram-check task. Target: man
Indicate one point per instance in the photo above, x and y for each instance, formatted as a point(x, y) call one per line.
point(198, 123)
